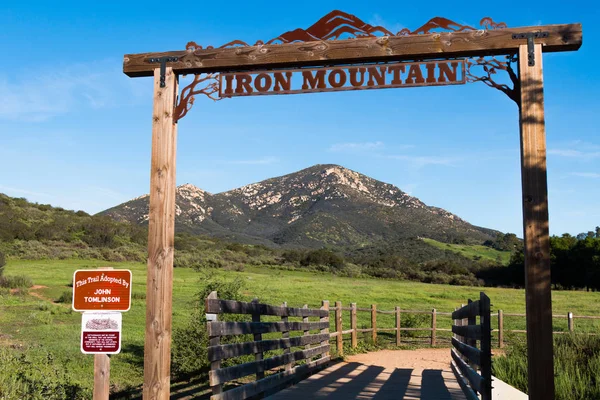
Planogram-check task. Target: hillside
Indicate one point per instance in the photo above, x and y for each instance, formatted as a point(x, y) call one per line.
point(324, 205)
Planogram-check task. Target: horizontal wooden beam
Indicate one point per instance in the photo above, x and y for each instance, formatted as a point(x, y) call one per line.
point(244, 328)
point(468, 331)
point(218, 306)
point(474, 43)
point(470, 310)
point(472, 353)
point(253, 388)
point(239, 349)
point(223, 375)
point(475, 380)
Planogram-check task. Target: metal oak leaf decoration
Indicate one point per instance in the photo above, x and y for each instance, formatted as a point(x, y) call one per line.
point(187, 96)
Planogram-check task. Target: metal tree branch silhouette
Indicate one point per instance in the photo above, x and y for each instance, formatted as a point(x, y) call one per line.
point(490, 66)
point(187, 97)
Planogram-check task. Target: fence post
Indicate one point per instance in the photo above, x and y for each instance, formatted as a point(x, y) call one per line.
point(500, 328)
point(486, 346)
point(433, 327)
point(215, 341)
point(338, 328)
point(258, 356)
point(353, 325)
point(398, 330)
point(374, 322)
point(306, 332)
point(325, 306)
point(286, 335)
point(570, 321)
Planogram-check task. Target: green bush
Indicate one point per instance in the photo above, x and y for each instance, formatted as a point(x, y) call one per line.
point(189, 354)
point(16, 282)
point(36, 375)
point(576, 366)
point(66, 297)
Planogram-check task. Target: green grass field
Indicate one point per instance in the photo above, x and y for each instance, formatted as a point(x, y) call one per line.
point(40, 324)
point(474, 252)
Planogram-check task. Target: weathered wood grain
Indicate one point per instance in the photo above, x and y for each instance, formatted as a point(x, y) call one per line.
point(218, 306)
point(475, 43)
point(257, 387)
point(221, 352)
point(244, 328)
point(223, 375)
point(101, 377)
point(161, 236)
point(535, 227)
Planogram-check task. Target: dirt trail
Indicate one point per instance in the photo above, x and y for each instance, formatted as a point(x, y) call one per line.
point(415, 359)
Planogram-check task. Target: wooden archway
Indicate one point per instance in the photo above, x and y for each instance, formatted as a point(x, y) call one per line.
point(320, 45)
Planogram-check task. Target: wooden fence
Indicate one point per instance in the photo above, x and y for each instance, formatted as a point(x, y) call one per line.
point(374, 329)
point(570, 317)
point(313, 356)
point(467, 358)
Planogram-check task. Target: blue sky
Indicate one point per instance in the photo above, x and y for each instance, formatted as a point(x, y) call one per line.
point(75, 131)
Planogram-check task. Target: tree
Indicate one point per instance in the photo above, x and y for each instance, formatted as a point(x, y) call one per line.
point(598, 232)
point(2, 262)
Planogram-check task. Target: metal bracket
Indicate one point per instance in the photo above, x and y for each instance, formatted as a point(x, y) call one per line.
point(530, 50)
point(163, 66)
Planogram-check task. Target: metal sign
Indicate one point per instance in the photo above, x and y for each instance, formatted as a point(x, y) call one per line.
point(330, 79)
point(101, 332)
point(102, 290)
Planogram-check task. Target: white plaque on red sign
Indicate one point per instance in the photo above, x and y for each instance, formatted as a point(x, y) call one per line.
point(101, 332)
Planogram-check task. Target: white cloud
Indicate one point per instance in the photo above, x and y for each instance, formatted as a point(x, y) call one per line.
point(260, 161)
point(574, 153)
point(40, 95)
point(11, 190)
point(586, 174)
point(356, 147)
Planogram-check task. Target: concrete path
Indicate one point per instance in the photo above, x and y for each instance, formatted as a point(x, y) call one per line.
point(388, 374)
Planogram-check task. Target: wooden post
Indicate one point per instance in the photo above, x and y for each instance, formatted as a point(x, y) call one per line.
point(485, 346)
point(258, 356)
point(535, 227)
point(306, 332)
point(338, 328)
point(101, 371)
point(570, 322)
point(101, 376)
point(215, 341)
point(433, 327)
point(374, 322)
point(500, 328)
point(161, 237)
point(353, 326)
point(325, 306)
point(398, 330)
point(285, 335)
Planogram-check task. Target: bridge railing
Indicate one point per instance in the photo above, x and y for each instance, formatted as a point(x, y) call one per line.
point(472, 364)
point(312, 349)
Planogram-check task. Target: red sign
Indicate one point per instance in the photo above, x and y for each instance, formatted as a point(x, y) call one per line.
point(101, 332)
point(353, 77)
point(102, 290)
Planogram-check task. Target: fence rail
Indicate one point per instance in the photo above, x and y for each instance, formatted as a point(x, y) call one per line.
point(467, 358)
point(315, 352)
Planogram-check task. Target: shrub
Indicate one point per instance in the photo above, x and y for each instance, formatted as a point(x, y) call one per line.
point(576, 366)
point(36, 375)
point(189, 354)
point(16, 282)
point(66, 297)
